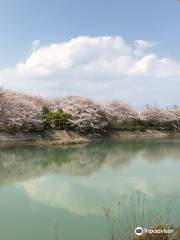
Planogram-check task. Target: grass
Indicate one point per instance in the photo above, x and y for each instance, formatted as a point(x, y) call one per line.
point(141, 125)
point(131, 213)
point(135, 212)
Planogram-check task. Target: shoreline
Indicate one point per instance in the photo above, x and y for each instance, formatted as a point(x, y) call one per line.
point(48, 137)
point(65, 137)
point(148, 133)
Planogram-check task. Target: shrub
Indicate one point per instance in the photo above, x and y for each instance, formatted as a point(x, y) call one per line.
point(55, 119)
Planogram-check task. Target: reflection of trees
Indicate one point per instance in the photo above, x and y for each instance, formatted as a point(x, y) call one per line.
point(160, 150)
point(18, 164)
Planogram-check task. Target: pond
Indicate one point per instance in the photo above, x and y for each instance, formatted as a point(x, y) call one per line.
point(88, 191)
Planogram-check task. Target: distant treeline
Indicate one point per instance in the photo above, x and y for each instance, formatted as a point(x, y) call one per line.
point(20, 112)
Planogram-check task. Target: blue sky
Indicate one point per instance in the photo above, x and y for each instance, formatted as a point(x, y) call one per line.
point(58, 21)
point(23, 21)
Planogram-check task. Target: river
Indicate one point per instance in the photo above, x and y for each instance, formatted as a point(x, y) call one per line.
point(88, 191)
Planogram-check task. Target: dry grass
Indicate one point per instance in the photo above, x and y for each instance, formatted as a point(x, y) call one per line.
point(135, 212)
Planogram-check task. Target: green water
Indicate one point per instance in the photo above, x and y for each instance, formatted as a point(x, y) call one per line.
point(59, 193)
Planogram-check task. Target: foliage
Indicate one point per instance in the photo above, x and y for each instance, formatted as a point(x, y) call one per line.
point(130, 125)
point(162, 118)
point(118, 111)
point(55, 119)
point(121, 116)
point(20, 112)
point(87, 115)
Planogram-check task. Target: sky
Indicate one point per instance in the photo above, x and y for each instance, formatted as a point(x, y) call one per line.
point(103, 49)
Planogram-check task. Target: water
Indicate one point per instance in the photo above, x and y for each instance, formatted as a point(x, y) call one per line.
point(73, 192)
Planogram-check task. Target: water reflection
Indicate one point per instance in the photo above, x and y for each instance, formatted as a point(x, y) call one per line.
point(20, 164)
point(78, 181)
point(81, 179)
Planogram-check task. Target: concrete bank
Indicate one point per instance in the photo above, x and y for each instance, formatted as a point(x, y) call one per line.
point(62, 137)
point(54, 137)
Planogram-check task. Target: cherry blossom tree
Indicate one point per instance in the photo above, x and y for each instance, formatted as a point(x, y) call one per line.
point(162, 117)
point(20, 112)
point(119, 112)
point(158, 115)
point(87, 115)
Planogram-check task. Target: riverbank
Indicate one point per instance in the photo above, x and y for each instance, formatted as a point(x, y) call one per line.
point(148, 133)
point(49, 137)
point(63, 137)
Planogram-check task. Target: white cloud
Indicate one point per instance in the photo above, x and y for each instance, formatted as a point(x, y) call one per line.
point(35, 44)
point(141, 44)
point(102, 67)
point(86, 195)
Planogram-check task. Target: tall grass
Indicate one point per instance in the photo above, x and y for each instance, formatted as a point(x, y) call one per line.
point(136, 212)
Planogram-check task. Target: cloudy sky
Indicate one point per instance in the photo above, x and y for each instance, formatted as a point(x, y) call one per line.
point(104, 49)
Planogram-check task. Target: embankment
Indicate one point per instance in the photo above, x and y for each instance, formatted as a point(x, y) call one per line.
point(54, 137)
point(149, 133)
point(62, 137)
